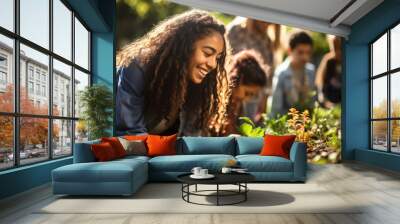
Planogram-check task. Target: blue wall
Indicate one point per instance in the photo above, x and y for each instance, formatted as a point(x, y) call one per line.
point(356, 101)
point(24, 178)
point(99, 15)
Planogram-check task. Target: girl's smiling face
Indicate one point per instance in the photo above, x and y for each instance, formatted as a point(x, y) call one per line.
point(205, 56)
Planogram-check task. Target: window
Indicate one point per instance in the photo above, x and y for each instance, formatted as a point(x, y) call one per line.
point(62, 29)
point(62, 74)
point(385, 97)
point(6, 73)
point(3, 72)
point(30, 87)
point(6, 143)
point(81, 45)
point(37, 75)
point(62, 130)
point(48, 78)
point(7, 14)
point(35, 21)
point(38, 89)
point(30, 72)
point(44, 91)
point(3, 78)
point(81, 81)
point(3, 61)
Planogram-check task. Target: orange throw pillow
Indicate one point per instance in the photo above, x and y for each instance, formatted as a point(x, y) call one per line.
point(135, 137)
point(161, 145)
point(277, 145)
point(116, 145)
point(103, 151)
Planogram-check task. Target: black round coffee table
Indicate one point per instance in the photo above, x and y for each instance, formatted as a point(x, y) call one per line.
point(238, 179)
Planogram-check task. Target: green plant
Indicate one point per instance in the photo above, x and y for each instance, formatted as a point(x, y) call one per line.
point(96, 102)
point(248, 128)
point(276, 126)
point(320, 130)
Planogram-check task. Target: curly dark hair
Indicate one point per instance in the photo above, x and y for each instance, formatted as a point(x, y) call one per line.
point(247, 69)
point(165, 52)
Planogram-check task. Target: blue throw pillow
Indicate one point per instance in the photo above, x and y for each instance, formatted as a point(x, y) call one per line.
point(249, 145)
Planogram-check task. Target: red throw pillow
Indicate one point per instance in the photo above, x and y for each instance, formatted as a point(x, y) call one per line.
point(135, 137)
point(161, 145)
point(277, 145)
point(103, 151)
point(116, 145)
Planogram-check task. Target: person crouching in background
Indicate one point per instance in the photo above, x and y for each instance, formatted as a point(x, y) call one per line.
point(249, 78)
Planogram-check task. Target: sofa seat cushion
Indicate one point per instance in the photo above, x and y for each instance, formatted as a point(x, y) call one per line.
point(185, 163)
point(257, 163)
point(134, 157)
point(112, 171)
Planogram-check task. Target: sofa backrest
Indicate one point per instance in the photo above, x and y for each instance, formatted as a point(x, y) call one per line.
point(191, 146)
point(83, 152)
point(206, 145)
point(249, 145)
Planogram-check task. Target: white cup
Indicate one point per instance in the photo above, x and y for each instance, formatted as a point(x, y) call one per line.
point(203, 172)
point(226, 170)
point(196, 171)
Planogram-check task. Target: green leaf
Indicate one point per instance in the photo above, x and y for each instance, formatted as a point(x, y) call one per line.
point(247, 120)
point(245, 129)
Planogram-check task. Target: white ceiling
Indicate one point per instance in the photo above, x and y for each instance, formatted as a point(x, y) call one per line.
point(321, 9)
point(316, 15)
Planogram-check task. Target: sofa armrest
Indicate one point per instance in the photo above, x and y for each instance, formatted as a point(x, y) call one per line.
point(298, 155)
point(83, 152)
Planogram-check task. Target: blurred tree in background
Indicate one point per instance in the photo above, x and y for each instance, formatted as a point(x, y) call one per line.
point(137, 17)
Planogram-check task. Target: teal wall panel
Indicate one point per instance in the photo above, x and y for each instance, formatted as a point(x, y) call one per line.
point(356, 127)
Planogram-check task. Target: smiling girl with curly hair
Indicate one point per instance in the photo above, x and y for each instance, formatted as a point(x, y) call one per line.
point(173, 79)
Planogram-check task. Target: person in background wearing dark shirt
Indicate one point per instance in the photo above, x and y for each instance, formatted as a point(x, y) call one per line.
point(329, 74)
point(173, 79)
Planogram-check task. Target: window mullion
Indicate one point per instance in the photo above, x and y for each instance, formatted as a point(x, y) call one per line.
point(16, 84)
point(50, 81)
point(73, 82)
point(389, 105)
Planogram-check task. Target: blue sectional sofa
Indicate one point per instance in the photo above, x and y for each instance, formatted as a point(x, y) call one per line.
point(125, 176)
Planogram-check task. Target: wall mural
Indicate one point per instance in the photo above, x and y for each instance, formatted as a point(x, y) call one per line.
point(200, 73)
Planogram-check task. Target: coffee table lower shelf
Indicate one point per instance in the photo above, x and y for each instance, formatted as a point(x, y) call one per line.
point(241, 191)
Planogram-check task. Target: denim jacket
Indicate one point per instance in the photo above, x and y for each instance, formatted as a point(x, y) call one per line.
point(283, 87)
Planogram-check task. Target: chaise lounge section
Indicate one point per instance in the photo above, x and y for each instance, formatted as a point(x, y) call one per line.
point(125, 176)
